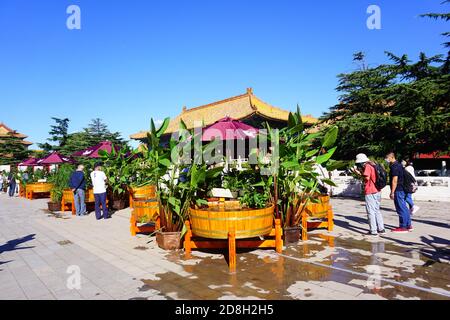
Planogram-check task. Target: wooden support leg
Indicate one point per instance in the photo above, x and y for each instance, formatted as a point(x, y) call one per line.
point(131, 201)
point(133, 225)
point(278, 239)
point(187, 241)
point(304, 225)
point(330, 219)
point(232, 250)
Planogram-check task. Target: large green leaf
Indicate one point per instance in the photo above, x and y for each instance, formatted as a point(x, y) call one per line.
point(165, 162)
point(325, 157)
point(163, 127)
point(330, 137)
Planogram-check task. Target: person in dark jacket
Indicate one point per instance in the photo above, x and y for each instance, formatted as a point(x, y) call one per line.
point(78, 185)
point(12, 183)
point(396, 177)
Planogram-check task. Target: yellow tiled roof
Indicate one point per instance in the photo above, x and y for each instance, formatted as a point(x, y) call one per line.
point(238, 107)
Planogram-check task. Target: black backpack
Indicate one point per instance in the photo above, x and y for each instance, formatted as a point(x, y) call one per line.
point(409, 182)
point(381, 176)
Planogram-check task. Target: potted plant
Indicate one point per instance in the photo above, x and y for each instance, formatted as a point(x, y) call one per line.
point(297, 179)
point(180, 183)
point(60, 181)
point(116, 167)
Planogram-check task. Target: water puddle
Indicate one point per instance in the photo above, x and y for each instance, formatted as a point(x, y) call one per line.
point(323, 267)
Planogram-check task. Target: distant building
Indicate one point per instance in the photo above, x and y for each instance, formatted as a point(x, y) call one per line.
point(245, 107)
point(7, 133)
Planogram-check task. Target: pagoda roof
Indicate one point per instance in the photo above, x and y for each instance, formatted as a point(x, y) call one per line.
point(238, 107)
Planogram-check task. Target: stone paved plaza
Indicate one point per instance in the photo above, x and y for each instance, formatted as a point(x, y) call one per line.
point(39, 252)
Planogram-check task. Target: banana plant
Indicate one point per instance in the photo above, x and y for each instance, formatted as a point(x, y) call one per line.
point(296, 179)
point(116, 166)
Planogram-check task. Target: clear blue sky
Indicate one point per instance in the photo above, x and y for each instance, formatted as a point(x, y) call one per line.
point(137, 59)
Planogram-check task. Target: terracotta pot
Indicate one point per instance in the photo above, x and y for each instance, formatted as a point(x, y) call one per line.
point(169, 240)
point(292, 235)
point(54, 206)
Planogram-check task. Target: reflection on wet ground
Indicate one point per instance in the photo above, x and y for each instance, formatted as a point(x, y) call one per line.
point(321, 268)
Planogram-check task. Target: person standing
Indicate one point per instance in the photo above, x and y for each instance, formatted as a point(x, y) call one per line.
point(78, 185)
point(12, 183)
point(99, 180)
point(409, 200)
point(2, 181)
point(398, 194)
point(372, 195)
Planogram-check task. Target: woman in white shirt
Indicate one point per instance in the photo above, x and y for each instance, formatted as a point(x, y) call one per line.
point(99, 181)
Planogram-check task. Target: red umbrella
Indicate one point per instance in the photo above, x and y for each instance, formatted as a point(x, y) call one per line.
point(229, 129)
point(92, 152)
point(54, 158)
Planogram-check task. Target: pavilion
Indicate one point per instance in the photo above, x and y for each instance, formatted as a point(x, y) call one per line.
point(245, 107)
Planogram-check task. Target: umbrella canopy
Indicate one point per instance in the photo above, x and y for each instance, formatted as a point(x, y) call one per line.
point(229, 129)
point(54, 158)
point(92, 152)
point(28, 163)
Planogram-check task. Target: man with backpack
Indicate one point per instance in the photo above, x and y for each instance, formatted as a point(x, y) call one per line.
point(398, 194)
point(373, 183)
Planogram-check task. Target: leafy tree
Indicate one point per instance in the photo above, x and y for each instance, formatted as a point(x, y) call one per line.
point(58, 133)
point(12, 150)
point(98, 131)
point(440, 16)
point(401, 105)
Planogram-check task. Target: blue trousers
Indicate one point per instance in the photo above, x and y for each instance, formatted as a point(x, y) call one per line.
point(100, 198)
point(409, 200)
point(401, 207)
point(80, 204)
point(12, 189)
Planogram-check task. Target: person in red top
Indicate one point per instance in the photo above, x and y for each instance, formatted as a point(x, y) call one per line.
point(371, 194)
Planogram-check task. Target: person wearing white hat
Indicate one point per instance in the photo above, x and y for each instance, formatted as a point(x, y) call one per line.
point(372, 195)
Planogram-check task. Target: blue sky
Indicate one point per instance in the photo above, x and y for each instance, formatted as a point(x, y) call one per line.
point(137, 59)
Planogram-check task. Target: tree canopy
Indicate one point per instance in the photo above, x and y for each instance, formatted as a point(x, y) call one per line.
point(402, 105)
point(12, 150)
point(68, 143)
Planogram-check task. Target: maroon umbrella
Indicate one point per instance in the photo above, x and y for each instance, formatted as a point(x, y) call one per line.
point(28, 163)
point(92, 152)
point(229, 129)
point(54, 158)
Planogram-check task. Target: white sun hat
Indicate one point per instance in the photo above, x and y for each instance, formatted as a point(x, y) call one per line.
point(361, 158)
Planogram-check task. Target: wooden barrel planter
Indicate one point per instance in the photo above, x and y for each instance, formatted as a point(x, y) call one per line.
point(216, 222)
point(240, 228)
point(68, 198)
point(321, 214)
point(145, 216)
point(145, 193)
point(42, 188)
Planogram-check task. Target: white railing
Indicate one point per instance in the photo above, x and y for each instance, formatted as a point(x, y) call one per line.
point(430, 188)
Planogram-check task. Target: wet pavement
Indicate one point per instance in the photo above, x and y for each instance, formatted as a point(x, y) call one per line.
point(321, 268)
point(36, 249)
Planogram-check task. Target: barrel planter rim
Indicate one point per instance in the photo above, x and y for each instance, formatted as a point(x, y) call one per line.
point(217, 227)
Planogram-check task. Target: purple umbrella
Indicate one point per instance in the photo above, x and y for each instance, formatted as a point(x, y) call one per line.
point(54, 158)
point(28, 163)
point(229, 129)
point(92, 152)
